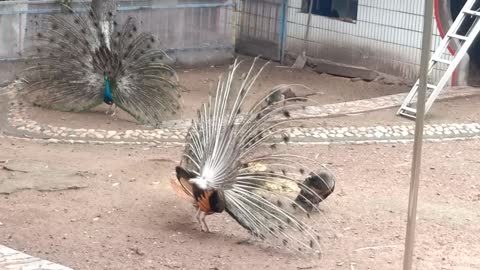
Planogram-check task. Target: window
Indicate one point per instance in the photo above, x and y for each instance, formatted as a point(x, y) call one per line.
point(345, 10)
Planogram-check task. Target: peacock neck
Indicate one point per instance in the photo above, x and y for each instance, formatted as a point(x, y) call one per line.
point(107, 94)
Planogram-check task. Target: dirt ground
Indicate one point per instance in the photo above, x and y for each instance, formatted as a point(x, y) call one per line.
point(327, 89)
point(129, 218)
point(198, 82)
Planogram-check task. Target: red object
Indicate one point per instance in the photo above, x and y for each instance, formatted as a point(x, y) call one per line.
point(442, 34)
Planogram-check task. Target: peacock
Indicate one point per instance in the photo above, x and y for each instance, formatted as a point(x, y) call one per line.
point(88, 58)
point(241, 164)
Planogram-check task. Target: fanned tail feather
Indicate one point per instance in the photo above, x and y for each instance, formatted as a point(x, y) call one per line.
point(74, 56)
point(264, 186)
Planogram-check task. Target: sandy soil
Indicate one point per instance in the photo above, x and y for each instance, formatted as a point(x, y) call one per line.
point(129, 218)
point(198, 82)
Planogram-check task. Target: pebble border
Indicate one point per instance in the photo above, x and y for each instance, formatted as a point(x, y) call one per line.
point(175, 131)
point(11, 259)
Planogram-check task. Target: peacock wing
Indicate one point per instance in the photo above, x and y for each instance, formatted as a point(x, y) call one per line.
point(64, 75)
point(145, 86)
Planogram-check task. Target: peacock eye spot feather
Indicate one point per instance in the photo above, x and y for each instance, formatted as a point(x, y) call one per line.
point(130, 35)
point(52, 40)
point(84, 31)
point(39, 35)
point(115, 23)
point(110, 14)
point(302, 171)
point(286, 114)
point(91, 14)
point(152, 39)
point(77, 21)
point(54, 26)
point(149, 46)
point(285, 242)
point(134, 28)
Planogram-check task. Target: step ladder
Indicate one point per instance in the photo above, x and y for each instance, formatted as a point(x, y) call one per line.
point(434, 89)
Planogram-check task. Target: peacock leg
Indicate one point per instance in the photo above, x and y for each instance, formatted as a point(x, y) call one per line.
point(109, 109)
point(202, 218)
point(197, 217)
point(114, 109)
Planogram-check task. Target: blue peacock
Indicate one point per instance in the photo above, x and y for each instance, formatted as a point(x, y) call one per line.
point(87, 58)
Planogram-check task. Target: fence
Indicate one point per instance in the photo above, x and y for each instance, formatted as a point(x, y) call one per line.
point(184, 28)
point(384, 36)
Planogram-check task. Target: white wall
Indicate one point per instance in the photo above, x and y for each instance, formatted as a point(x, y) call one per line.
point(387, 36)
point(12, 30)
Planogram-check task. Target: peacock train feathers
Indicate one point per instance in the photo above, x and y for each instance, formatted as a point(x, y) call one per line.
point(88, 58)
point(239, 163)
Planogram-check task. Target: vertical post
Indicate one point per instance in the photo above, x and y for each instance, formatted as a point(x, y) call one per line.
point(417, 146)
point(283, 30)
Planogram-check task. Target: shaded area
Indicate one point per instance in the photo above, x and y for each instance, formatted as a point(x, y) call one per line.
point(474, 51)
point(17, 175)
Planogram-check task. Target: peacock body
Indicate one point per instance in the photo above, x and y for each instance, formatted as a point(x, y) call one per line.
point(227, 166)
point(86, 58)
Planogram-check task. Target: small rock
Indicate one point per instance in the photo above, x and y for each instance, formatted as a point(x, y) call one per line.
point(115, 184)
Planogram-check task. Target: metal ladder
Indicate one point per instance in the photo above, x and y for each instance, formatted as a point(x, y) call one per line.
point(466, 41)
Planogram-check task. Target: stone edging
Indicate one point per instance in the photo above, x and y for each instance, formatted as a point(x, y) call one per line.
point(15, 260)
point(18, 119)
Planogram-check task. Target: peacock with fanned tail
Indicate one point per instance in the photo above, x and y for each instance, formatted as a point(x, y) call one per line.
point(86, 58)
point(241, 164)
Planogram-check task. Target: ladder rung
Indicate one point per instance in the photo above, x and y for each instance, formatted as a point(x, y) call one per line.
point(408, 109)
point(431, 86)
point(458, 36)
point(441, 60)
point(408, 115)
point(472, 12)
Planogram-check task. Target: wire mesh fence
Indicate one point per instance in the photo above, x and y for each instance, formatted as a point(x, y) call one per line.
point(191, 25)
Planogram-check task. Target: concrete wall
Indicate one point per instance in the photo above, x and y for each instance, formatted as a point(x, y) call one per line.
point(387, 36)
point(12, 30)
point(194, 32)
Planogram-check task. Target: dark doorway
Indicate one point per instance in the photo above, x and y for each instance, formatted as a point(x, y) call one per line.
point(474, 51)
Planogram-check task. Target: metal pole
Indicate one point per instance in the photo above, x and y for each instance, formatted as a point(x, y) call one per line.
point(417, 146)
